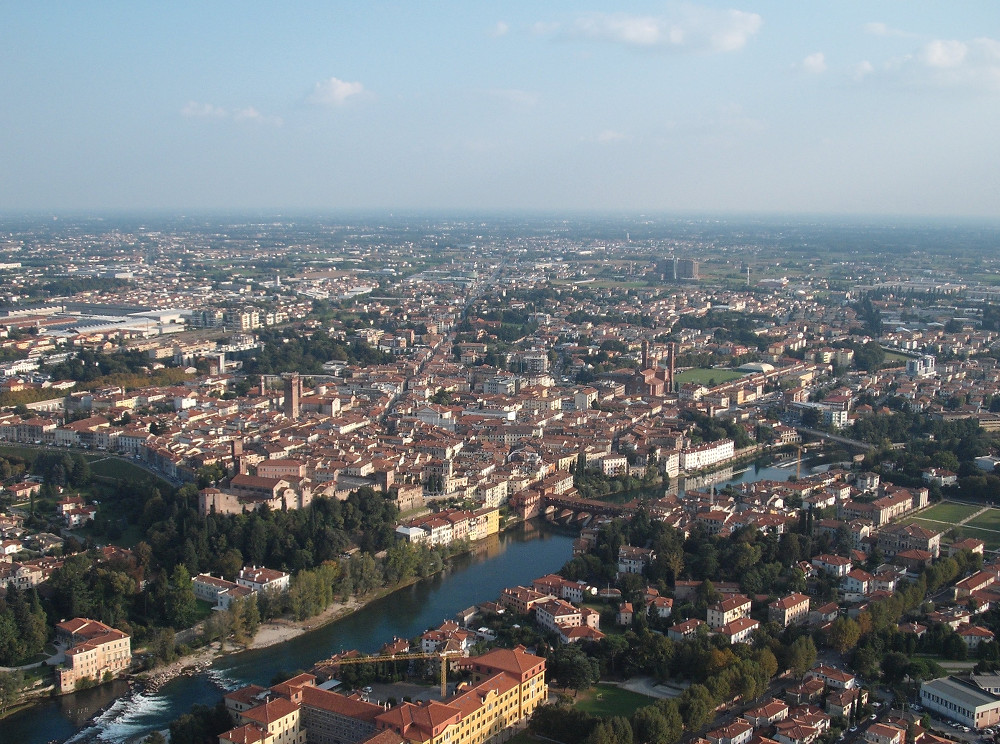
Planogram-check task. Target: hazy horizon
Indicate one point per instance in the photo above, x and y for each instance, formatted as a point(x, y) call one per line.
point(748, 108)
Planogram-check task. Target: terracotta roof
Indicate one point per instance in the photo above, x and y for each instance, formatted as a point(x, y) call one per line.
point(272, 710)
point(245, 695)
point(516, 660)
point(352, 707)
point(388, 736)
point(249, 734)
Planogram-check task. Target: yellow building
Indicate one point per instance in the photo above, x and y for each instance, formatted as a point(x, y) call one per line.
point(507, 686)
point(276, 721)
point(96, 651)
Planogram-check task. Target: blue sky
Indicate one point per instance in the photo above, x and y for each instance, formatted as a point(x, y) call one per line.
point(789, 106)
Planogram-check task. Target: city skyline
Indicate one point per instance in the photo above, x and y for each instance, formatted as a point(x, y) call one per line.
point(759, 107)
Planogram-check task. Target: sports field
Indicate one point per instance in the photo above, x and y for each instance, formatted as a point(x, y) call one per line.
point(948, 511)
point(989, 520)
point(947, 515)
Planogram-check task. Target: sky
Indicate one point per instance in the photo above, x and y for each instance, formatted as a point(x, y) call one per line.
point(769, 106)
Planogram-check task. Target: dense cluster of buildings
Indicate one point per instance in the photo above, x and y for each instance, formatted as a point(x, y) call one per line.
point(483, 413)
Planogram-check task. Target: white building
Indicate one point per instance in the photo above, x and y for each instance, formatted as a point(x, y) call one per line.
point(961, 701)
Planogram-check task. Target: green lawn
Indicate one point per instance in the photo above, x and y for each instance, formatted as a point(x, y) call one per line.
point(929, 524)
point(607, 700)
point(204, 610)
point(101, 465)
point(992, 539)
point(705, 376)
point(896, 356)
point(988, 520)
point(113, 467)
point(948, 511)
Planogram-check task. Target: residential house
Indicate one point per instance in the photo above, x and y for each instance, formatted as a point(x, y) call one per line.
point(724, 612)
point(633, 560)
point(789, 610)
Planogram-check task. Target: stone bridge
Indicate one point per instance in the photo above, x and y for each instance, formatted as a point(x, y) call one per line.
point(573, 510)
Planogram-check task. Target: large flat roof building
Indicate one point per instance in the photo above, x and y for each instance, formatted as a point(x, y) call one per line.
point(962, 701)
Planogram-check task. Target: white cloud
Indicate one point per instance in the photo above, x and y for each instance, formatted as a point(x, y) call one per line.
point(732, 34)
point(863, 69)
point(605, 137)
point(609, 135)
point(195, 110)
point(247, 114)
point(689, 27)
point(501, 29)
point(944, 54)
point(335, 92)
point(514, 96)
point(952, 64)
point(877, 28)
point(814, 64)
point(251, 114)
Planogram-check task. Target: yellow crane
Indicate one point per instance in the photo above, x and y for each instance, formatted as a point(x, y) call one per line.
point(372, 659)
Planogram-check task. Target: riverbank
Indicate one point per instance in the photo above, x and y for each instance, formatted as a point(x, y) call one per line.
point(517, 555)
point(275, 632)
point(278, 631)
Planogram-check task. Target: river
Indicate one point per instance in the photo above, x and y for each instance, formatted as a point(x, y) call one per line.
point(514, 557)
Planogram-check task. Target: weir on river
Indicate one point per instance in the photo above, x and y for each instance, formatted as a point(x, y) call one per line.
point(515, 557)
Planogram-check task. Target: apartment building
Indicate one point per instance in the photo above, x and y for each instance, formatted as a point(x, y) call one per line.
point(788, 610)
point(507, 686)
point(897, 538)
point(724, 612)
point(633, 560)
point(96, 651)
point(706, 455)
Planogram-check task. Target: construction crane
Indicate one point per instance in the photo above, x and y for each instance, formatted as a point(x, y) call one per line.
point(442, 655)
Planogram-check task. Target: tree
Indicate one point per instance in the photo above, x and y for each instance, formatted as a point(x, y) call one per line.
point(674, 728)
point(843, 634)
point(611, 731)
point(11, 683)
point(650, 726)
point(801, 655)
point(246, 618)
point(894, 666)
point(180, 605)
point(572, 668)
point(697, 707)
point(163, 646)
